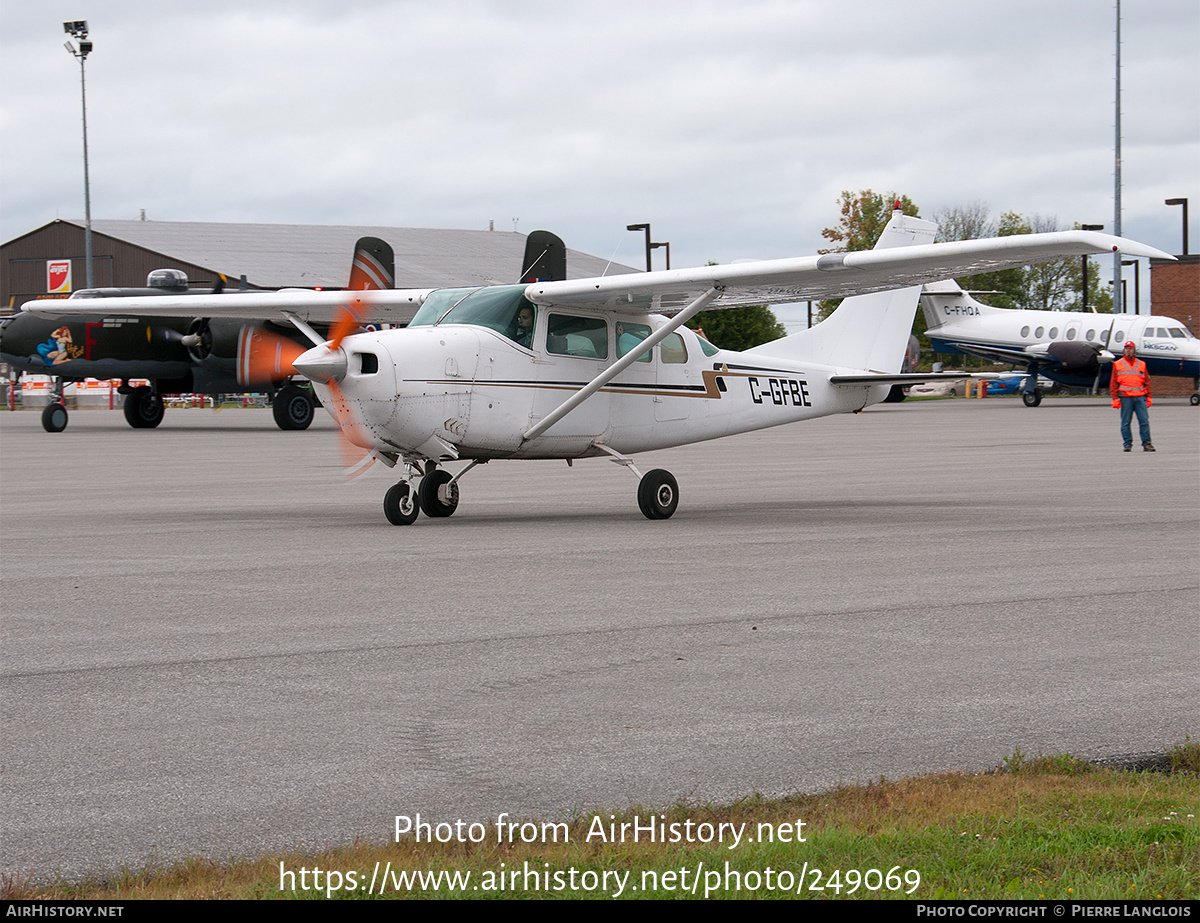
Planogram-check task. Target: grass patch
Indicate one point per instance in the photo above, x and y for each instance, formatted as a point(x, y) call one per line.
point(1052, 827)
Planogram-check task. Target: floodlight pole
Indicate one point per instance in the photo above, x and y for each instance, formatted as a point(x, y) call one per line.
point(1118, 290)
point(79, 30)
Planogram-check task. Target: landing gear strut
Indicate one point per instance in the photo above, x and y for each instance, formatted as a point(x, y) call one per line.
point(54, 414)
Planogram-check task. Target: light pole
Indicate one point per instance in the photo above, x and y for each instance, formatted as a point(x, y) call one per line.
point(1137, 284)
point(646, 228)
point(1182, 202)
point(667, 245)
point(1087, 227)
point(79, 30)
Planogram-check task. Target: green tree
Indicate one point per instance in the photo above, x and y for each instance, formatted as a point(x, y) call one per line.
point(864, 216)
point(739, 328)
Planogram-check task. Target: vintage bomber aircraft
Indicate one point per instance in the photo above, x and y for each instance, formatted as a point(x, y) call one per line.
point(1069, 347)
point(595, 367)
point(186, 355)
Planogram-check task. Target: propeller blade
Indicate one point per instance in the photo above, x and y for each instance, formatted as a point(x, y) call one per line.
point(350, 317)
point(264, 357)
point(354, 439)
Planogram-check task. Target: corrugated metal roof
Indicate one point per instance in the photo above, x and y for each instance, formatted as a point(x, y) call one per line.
point(309, 255)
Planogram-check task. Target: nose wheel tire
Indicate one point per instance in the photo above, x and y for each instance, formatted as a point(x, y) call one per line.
point(1032, 400)
point(438, 497)
point(292, 408)
point(54, 418)
point(658, 494)
point(400, 505)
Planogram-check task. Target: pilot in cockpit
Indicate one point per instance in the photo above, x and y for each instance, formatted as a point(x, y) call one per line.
point(523, 335)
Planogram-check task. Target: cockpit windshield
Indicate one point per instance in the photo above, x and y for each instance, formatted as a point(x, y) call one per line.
point(494, 307)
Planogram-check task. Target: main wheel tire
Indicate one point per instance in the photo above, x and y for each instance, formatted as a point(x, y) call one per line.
point(658, 494)
point(292, 408)
point(1032, 400)
point(400, 506)
point(1194, 399)
point(54, 418)
point(143, 409)
point(438, 497)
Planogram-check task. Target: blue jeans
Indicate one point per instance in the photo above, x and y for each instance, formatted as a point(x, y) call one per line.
point(1130, 406)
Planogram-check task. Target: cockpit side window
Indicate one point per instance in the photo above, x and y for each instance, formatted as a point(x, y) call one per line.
point(628, 338)
point(571, 335)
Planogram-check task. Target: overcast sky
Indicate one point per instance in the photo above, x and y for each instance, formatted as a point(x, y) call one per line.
point(731, 127)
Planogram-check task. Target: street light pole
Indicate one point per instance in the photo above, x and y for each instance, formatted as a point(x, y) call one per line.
point(1182, 202)
point(79, 29)
point(1087, 227)
point(646, 228)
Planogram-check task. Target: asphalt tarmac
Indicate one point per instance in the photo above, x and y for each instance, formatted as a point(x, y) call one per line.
point(213, 645)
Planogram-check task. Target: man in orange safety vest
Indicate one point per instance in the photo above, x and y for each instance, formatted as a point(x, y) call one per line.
point(1130, 389)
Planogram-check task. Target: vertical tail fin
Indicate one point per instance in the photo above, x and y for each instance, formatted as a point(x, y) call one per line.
point(943, 301)
point(545, 258)
point(868, 332)
point(374, 265)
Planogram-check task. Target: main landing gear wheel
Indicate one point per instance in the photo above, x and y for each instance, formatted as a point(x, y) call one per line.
point(439, 498)
point(1194, 399)
point(1032, 400)
point(54, 418)
point(658, 494)
point(143, 409)
point(400, 505)
point(292, 408)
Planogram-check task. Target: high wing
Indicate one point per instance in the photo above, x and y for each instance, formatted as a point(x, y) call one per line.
point(666, 291)
point(391, 306)
point(830, 276)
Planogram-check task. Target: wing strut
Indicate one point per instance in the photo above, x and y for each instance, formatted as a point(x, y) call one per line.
point(623, 363)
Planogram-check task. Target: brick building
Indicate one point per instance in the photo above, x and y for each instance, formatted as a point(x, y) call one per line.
point(1175, 292)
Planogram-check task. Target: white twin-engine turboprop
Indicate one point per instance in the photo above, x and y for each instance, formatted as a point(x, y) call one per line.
point(605, 366)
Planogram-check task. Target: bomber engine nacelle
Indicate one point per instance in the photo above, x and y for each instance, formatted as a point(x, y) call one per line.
point(252, 354)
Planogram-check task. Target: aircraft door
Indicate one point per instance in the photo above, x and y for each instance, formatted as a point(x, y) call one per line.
point(675, 375)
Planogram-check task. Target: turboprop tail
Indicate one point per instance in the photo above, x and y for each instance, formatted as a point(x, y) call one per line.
point(946, 301)
point(866, 332)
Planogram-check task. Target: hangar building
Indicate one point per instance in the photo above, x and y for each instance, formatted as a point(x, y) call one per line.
point(270, 256)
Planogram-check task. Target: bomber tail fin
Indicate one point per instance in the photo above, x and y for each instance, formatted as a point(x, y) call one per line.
point(374, 265)
point(867, 332)
point(545, 258)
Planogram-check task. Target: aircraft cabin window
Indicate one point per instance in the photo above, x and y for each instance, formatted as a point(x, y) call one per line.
point(1177, 333)
point(1037, 334)
point(1071, 331)
point(706, 347)
point(586, 337)
point(437, 304)
point(1053, 332)
point(629, 336)
point(1090, 335)
point(1103, 336)
point(673, 350)
point(1024, 331)
point(1119, 337)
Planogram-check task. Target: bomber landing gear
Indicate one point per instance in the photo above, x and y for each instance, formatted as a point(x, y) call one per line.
point(1032, 399)
point(54, 417)
point(292, 408)
point(143, 408)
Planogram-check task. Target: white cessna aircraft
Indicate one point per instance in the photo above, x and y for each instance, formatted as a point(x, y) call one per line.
point(1070, 347)
point(605, 366)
